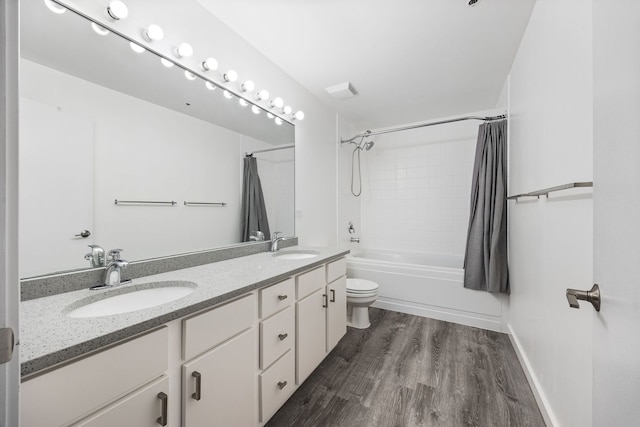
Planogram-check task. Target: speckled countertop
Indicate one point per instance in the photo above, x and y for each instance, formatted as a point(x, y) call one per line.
point(48, 336)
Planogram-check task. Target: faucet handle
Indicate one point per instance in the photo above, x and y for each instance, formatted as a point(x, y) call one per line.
point(274, 235)
point(114, 254)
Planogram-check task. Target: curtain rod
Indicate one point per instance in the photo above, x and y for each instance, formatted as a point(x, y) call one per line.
point(284, 147)
point(439, 122)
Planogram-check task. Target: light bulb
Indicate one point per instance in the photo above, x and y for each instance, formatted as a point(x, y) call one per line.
point(189, 75)
point(269, 115)
point(55, 7)
point(183, 51)
point(299, 115)
point(278, 121)
point(287, 110)
point(230, 76)
point(255, 109)
point(99, 30)
point(263, 94)
point(243, 102)
point(227, 94)
point(277, 102)
point(166, 62)
point(210, 85)
point(136, 47)
point(153, 32)
point(117, 10)
point(210, 64)
point(248, 86)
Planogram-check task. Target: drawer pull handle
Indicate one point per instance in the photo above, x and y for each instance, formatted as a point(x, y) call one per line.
point(198, 394)
point(282, 297)
point(282, 336)
point(324, 301)
point(282, 384)
point(162, 419)
point(333, 295)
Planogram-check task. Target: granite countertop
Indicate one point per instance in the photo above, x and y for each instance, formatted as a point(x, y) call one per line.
point(48, 336)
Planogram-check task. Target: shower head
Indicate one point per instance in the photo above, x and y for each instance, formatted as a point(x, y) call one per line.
point(369, 145)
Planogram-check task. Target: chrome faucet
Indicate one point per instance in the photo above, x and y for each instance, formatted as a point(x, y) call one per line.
point(113, 272)
point(275, 240)
point(96, 256)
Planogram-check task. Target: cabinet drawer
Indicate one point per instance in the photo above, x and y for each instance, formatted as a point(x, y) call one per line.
point(276, 297)
point(336, 269)
point(277, 335)
point(72, 391)
point(207, 330)
point(310, 282)
point(276, 385)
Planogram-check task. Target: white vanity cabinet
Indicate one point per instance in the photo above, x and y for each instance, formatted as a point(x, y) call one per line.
point(337, 304)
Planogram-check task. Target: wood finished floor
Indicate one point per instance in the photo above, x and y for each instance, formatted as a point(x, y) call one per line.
point(413, 371)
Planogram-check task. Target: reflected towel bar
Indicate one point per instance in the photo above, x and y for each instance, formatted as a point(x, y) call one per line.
point(205, 203)
point(143, 202)
point(546, 191)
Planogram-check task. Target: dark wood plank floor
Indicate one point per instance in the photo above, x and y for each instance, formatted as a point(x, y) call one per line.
point(413, 371)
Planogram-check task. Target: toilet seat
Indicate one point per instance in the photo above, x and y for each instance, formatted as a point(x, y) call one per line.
point(361, 286)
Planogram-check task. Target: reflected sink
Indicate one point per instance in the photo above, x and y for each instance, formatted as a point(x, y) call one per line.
point(132, 298)
point(301, 254)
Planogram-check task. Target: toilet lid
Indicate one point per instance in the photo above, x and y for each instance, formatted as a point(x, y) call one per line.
point(356, 286)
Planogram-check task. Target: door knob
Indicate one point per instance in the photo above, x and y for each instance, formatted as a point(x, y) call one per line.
point(592, 296)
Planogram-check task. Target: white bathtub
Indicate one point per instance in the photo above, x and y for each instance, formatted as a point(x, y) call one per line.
point(428, 285)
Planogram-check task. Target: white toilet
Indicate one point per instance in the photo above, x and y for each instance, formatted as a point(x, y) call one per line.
point(360, 295)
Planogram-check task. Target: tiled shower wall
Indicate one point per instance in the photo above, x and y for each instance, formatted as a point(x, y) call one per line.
point(416, 189)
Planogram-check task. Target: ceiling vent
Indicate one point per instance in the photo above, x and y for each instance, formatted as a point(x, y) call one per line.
point(342, 91)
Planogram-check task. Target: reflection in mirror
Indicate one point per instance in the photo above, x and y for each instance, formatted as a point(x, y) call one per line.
point(100, 123)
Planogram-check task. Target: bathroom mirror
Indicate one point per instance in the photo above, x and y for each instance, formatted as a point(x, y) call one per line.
point(101, 122)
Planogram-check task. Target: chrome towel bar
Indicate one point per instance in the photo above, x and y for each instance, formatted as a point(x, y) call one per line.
point(205, 203)
point(546, 191)
point(143, 202)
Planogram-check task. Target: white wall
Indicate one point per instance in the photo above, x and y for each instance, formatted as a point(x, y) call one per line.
point(550, 240)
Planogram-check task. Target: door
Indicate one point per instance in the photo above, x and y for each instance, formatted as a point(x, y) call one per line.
point(616, 340)
point(311, 333)
point(336, 312)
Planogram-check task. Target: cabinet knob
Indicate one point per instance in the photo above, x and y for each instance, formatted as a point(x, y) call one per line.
point(198, 394)
point(282, 297)
point(282, 336)
point(282, 384)
point(164, 399)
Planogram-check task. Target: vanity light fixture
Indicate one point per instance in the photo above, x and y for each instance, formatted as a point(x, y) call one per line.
point(243, 102)
point(210, 85)
point(227, 94)
point(55, 7)
point(299, 115)
point(247, 86)
point(183, 51)
point(210, 64)
point(262, 95)
point(278, 121)
point(255, 109)
point(230, 76)
point(287, 110)
point(117, 10)
point(189, 75)
point(153, 32)
point(166, 62)
point(99, 29)
point(276, 102)
point(136, 47)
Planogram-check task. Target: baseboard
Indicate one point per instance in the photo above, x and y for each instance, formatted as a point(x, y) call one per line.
point(543, 403)
point(453, 316)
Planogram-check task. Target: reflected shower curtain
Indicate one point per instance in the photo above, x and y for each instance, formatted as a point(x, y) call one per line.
point(485, 260)
point(254, 212)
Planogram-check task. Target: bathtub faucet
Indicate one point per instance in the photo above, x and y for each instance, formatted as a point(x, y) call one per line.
point(355, 240)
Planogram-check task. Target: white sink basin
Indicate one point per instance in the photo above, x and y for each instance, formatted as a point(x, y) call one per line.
point(128, 299)
point(296, 254)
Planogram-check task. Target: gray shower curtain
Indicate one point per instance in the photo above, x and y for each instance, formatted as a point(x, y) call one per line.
point(254, 212)
point(485, 260)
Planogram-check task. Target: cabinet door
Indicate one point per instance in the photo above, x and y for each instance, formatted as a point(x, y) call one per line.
point(311, 333)
point(143, 408)
point(336, 312)
point(226, 379)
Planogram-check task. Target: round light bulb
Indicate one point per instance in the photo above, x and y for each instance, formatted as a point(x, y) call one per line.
point(153, 32)
point(262, 95)
point(210, 64)
point(269, 115)
point(248, 86)
point(184, 50)
point(210, 85)
point(243, 102)
point(99, 30)
point(287, 110)
point(117, 10)
point(189, 75)
point(255, 109)
point(227, 94)
point(278, 121)
point(299, 115)
point(55, 7)
point(230, 76)
point(166, 62)
point(277, 102)
point(136, 47)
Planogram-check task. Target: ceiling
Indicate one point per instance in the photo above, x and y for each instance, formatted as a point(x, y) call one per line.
point(409, 60)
